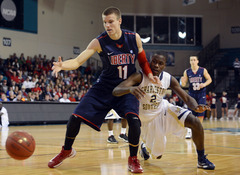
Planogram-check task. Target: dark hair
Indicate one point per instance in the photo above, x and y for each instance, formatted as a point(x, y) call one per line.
point(111, 10)
point(161, 54)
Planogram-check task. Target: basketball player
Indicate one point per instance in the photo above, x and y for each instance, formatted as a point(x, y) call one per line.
point(4, 122)
point(159, 117)
point(198, 78)
point(111, 116)
point(118, 50)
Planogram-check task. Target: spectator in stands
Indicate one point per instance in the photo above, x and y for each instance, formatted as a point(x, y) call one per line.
point(5, 86)
point(64, 98)
point(47, 98)
point(24, 93)
point(11, 96)
point(236, 66)
point(72, 97)
point(4, 97)
point(28, 84)
point(56, 98)
point(18, 98)
point(31, 96)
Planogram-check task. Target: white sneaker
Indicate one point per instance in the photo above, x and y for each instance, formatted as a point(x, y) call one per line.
point(189, 134)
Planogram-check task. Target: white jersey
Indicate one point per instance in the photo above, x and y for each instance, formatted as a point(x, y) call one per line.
point(159, 117)
point(4, 117)
point(150, 105)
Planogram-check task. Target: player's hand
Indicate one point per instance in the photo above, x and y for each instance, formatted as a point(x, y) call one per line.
point(137, 92)
point(201, 108)
point(57, 66)
point(183, 80)
point(201, 85)
point(154, 79)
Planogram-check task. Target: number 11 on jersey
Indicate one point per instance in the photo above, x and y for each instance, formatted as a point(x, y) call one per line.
point(122, 71)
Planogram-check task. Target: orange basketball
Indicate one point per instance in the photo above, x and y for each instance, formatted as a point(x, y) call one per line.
point(20, 145)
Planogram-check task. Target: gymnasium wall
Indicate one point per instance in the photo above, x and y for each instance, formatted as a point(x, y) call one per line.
point(38, 112)
point(63, 24)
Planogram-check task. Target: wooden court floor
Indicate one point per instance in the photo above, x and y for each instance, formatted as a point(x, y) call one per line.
point(96, 157)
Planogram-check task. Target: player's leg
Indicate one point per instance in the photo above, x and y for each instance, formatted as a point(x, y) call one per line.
point(133, 138)
point(123, 134)
point(85, 112)
point(111, 138)
point(67, 151)
point(127, 106)
point(198, 138)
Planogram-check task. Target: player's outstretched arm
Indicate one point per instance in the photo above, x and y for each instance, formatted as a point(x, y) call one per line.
point(127, 87)
point(143, 62)
point(79, 60)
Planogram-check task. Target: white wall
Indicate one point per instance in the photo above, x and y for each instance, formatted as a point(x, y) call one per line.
point(63, 24)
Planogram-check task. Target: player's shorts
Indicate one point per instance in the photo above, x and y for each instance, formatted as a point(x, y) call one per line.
point(169, 121)
point(213, 106)
point(224, 105)
point(99, 100)
point(112, 115)
point(238, 105)
point(201, 99)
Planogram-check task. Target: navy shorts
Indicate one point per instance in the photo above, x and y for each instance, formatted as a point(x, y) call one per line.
point(238, 105)
point(224, 105)
point(213, 106)
point(99, 100)
point(201, 99)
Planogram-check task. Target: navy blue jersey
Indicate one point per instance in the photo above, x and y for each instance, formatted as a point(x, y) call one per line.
point(195, 79)
point(118, 57)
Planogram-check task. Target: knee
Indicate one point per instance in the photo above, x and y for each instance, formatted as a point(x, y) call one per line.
point(192, 122)
point(133, 120)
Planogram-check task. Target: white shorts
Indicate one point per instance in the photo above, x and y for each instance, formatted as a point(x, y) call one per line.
point(169, 121)
point(112, 115)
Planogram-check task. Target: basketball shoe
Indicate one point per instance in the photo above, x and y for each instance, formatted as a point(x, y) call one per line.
point(134, 165)
point(111, 139)
point(143, 152)
point(58, 159)
point(204, 163)
point(124, 137)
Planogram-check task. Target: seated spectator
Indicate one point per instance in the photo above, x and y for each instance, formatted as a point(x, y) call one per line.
point(28, 85)
point(4, 97)
point(5, 86)
point(31, 96)
point(36, 88)
point(11, 96)
point(47, 98)
point(18, 98)
point(24, 93)
point(72, 97)
point(56, 98)
point(64, 98)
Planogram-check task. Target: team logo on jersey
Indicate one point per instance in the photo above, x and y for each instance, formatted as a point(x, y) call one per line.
point(122, 59)
point(119, 45)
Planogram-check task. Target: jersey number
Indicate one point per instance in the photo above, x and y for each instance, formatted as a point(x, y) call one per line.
point(122, 71)
point(153, 99)
point(196, 86)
